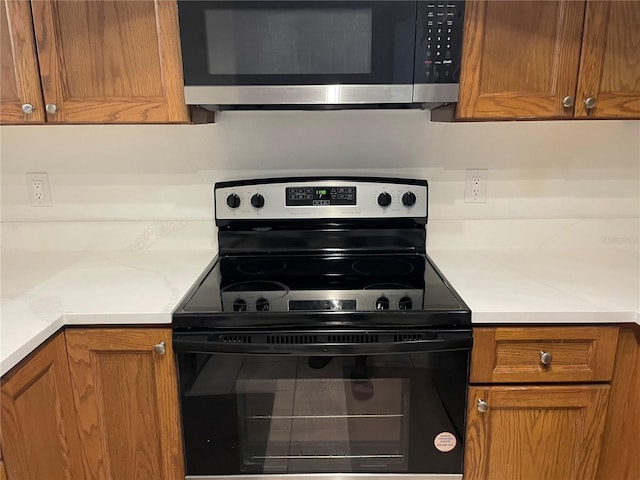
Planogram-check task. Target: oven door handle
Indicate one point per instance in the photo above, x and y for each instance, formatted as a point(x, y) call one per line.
point(444, 343)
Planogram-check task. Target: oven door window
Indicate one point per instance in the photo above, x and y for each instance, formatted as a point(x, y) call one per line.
point(297, 42)
point(252, 414)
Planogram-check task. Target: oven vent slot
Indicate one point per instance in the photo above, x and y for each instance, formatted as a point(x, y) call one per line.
point(291, 339)
point(353, 338)
point(235, 338)
point(410, 337)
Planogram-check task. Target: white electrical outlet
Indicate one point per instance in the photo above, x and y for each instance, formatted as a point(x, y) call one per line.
point(38, 189)
point(475, 186)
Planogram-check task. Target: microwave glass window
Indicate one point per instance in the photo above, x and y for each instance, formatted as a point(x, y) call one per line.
point(289, 41)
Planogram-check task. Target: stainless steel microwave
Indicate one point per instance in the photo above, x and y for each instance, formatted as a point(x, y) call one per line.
point(344, 53)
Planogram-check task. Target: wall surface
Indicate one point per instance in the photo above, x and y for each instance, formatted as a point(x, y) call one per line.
point(536, 170)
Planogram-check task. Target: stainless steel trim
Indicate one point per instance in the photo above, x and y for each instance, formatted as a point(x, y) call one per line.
point(325, 457)
point(298, 94)
point(333, 476)
point(365, 300)
point(336, 476)
point(435, 92)
point(364, 415)
point(366, 201)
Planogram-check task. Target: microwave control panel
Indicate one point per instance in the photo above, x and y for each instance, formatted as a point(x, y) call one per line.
point(439, 41)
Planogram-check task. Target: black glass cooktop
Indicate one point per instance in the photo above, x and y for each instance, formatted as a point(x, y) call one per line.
point(375, 286)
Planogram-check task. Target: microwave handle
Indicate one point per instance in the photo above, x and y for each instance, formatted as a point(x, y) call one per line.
point(451, 342)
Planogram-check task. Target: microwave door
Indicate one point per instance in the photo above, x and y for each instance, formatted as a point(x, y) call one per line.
point(298, 52)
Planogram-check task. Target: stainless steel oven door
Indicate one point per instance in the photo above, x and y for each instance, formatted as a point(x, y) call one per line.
point(297, 403)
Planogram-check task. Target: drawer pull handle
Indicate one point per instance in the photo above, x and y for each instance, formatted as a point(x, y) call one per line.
point(546, 358)
point(160, 348)
point(482, 406)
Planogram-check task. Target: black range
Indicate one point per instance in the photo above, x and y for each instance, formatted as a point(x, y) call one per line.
point(323, 290)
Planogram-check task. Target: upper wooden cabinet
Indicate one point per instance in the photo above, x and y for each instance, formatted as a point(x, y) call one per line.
point(20, 93)
point(100, 62)
point(534, 59)
point(610, 62)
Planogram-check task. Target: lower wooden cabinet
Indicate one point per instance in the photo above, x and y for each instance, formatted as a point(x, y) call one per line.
point(620, 458)
point(94, 403)
point(39, 424)
point(538, 402)
point(126, 395)
point(535, 432)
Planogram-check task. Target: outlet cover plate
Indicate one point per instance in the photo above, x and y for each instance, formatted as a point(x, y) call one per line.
point(475, 186)
point(38, 196)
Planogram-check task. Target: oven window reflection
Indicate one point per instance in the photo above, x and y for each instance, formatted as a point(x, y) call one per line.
point(316, 414)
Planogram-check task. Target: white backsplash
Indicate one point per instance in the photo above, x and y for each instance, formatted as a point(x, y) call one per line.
point(536, 170)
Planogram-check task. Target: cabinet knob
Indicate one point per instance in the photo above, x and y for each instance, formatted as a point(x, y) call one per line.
point(160, 348)
point(27, 108)
point(590, 103)
point(546, 358)
point(482, 406)
point(568, 102)
point(51, 108)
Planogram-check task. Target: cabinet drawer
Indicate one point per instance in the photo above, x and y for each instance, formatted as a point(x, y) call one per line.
point(514, 354)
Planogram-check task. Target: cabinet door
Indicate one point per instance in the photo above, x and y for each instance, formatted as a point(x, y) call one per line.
point(610, 66)
point(19, 77)
point(110, 61)
point(620, 458)
point(39, 425)
point(535, 432)
point(127, 402)
point(520, 58)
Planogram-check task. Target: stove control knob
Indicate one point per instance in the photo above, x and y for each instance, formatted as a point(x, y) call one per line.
point(239, 305)
point(405, 303)
point(257, 201)
point(384, 199)
point(382, 303)
point(262, 304)
point(409, 199)
point(233, 200)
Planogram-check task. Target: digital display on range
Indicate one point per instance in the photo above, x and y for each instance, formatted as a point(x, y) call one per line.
point(320, 196)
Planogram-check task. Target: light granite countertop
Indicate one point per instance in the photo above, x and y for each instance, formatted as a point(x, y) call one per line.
point(136, 273)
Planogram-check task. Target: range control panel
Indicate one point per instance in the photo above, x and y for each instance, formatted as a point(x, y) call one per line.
point(321, 199)
point(320, 196)
point(318, 300)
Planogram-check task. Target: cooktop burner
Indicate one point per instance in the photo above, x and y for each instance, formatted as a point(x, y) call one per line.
point(296, 253)
point(318, 284)
point(388, 266)
point(261, 267)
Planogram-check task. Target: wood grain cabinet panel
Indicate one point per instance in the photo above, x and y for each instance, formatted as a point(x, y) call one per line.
point(520, 58)
point(513, 354)
point(127, 402)
point(535, 432)
point(19, 77)
point(610, 68)
point(39, 426)
point(620, 458)
point(110, 61)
